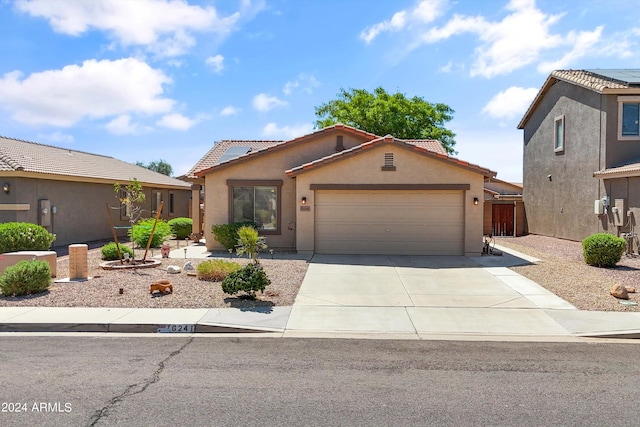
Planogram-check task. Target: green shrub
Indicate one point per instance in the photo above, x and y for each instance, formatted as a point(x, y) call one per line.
point(181, 227)
point(25, 278)
point(110, 251)
point(249, 279)
point(227, 234)
point(250, 243)
point(22, 236)
point(142, 230)
point(216, 270)
point(603, 250)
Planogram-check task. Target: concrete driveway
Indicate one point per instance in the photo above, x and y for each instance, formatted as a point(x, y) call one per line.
point(423, 296)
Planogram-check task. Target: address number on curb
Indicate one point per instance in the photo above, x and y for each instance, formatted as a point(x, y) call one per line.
point(179, 329)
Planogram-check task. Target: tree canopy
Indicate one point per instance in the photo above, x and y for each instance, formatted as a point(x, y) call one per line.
point(159, 166)
point(382, 114)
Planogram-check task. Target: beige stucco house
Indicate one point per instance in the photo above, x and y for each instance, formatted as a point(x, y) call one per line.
point(340, 190)
point(67, 191)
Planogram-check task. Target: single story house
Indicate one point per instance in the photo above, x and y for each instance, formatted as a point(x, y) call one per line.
point(340, 190)
point(67, 191)
point(582, 154)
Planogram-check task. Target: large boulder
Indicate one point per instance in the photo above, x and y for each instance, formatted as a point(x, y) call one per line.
point(619, 291)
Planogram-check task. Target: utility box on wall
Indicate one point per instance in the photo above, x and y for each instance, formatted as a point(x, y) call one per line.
point(619, 211)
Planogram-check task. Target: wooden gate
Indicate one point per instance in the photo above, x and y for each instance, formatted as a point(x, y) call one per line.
point(502, 219)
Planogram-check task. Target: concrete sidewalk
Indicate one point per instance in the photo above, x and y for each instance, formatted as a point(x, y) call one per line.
point(476, 298)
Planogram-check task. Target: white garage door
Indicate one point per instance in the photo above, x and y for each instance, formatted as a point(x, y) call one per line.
point(389, 222)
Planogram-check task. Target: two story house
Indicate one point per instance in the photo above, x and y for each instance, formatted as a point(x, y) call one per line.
point(582, 154)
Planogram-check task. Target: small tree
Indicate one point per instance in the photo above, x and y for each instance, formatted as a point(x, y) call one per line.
point(131, 196)
point(250, 243)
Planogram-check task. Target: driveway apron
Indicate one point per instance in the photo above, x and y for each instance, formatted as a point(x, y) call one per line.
point(424, 296)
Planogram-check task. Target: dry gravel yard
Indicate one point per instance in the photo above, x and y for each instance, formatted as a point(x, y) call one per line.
point(564, 272)
point(189, 292)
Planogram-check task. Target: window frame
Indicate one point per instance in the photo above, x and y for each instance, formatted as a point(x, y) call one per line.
point(559, 148)
point(172, 202)
point(232, 183)
point(627, 100)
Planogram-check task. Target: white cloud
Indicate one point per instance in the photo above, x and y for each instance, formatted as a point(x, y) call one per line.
point(176, 121)
point(122, 125)
point(95, 89)
point(581, 43)
point(305, 82)
point(216, 63)
point(165, 27)
point(264, 102)
point(229, 110)
point(425, 12)
point(272, 130)
point(510, 103)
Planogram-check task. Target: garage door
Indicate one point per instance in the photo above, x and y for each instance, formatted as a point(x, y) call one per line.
point(389, 222)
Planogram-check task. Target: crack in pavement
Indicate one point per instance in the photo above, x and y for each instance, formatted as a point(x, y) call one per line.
point(138, 388)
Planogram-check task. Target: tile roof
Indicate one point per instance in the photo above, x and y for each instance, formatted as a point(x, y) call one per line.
point(210, 159)
point(23, 156)
point(285, 144)
point(213, 155)
point(429, 144)
point(587, 79)
point(632, 169)
point(389, 140)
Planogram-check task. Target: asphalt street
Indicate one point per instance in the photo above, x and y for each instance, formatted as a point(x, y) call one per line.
point(203, 380)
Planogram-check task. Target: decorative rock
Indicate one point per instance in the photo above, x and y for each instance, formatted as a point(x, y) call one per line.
point(163, 286)
point(173, 269)
point(164, 250)
point(619, 291)
point(188, 266)
point(630, 289)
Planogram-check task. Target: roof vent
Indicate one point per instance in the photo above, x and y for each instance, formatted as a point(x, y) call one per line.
point(339, 144)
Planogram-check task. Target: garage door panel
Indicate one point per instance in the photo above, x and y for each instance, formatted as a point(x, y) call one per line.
point(389, 222)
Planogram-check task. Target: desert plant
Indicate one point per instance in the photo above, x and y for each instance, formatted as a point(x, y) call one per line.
point(249, 279)
point(25, 278)
point(131, 197)
point(181, 227)
point(216, 270)
point(603, 250)
point(141, 231)
point(23, 236)
point(227, 234)
point(110, 251)
point(250, 243)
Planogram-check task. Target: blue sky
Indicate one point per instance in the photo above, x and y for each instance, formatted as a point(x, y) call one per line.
point(145, 80)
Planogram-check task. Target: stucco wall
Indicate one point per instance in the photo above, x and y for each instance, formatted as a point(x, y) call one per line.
point(81, 212)
point(411, 168)
point(562, 206)
point(268, 166)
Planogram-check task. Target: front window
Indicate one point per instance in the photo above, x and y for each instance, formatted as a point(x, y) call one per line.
point(629, 117)
point(558, 134)
point(257, 203)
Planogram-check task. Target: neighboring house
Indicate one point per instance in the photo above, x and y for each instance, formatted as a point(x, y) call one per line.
point(67, 191)
point(340, 190)
point(504, 213)
point(582, 154)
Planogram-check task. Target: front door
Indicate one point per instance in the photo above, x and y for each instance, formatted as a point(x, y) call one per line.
point(503, 220)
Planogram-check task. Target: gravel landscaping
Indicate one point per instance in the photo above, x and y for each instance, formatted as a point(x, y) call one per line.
point(102, 290)
point(564, 272)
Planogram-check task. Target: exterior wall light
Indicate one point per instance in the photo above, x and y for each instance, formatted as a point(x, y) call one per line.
point(303, 201)
point(475, 201)
point(6, 188)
